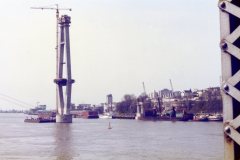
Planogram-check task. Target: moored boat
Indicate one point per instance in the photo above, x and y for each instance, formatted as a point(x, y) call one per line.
point(105, 116)
point(123, 116)
point(215, 117)
point(39, 120)
point(200, 117)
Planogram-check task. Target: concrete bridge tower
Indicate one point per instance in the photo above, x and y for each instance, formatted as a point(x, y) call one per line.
point(64, 78)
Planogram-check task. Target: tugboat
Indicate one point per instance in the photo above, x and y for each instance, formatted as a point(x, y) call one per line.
point(39, 120)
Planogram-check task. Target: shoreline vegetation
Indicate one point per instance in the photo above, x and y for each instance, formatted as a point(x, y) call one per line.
point(199, 101)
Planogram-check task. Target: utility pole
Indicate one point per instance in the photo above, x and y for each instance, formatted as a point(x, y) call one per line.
point(230, 55)
point(57, 9)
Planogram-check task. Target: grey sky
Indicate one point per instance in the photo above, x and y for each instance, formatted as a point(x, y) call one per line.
point(115, 46)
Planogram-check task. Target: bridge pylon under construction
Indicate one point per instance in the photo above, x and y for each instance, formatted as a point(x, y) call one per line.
point(64, 79)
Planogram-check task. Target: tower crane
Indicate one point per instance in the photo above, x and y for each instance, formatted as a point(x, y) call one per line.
point(56, 8)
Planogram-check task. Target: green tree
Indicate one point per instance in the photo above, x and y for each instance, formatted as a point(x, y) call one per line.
point(127, 105)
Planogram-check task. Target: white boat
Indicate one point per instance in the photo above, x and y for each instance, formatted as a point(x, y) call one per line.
point(105, 116)
point(200, 117)
point(215, 117)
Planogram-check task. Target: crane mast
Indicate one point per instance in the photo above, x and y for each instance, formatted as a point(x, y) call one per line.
point(171, 84)
point(144, 89)
point(57, 17)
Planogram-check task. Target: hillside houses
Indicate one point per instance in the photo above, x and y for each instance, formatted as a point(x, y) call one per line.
point(187, 100)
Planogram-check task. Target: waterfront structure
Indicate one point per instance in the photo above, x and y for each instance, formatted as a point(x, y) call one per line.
point(153, 95)
point(229, 43)
point(140, 111)
point(169, 103)
point(166, 93)
point(212, 92)
point(64, 100)
point(188, 94)
point(109, 106)
point(110, 101)
point(204, 100)
point(83, 106)
point(177, 94)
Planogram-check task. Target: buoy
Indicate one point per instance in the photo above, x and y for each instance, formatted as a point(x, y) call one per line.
point(109, 126)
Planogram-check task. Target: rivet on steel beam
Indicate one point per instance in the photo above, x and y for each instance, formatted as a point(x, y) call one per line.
point(224, 46)
point(222, 5)
point(226, 88)
point(227, 130)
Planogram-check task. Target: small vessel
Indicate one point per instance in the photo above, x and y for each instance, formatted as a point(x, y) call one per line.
point(215, 117)
point(109, 126)
point(105, 116)
point(123, 116)
point(200, 117)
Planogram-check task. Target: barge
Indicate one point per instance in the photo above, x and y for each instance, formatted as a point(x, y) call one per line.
point(39, 120)
point(123, 116)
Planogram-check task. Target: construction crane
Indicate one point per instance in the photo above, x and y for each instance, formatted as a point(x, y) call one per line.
point(57, 9)
point(144, 89)
point(171, 84)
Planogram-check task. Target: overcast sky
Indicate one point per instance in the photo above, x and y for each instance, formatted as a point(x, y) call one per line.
point(115, 46)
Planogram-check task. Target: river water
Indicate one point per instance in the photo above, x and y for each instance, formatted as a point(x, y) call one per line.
point(90, 139)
